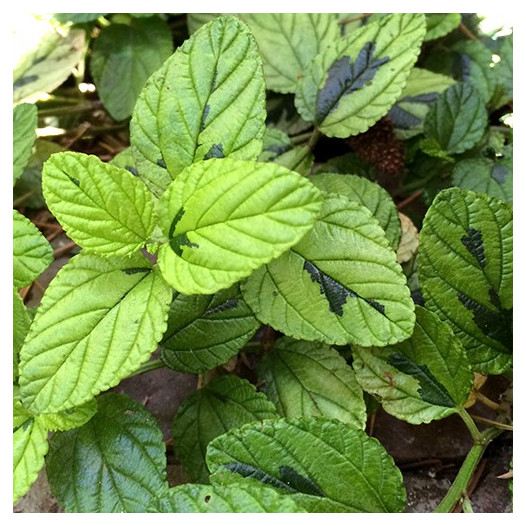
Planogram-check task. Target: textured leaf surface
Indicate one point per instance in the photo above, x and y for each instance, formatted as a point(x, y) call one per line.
point(103, 208)
point(457, 119)
point(21, 325)
point(354, 82)
point(323, 465)
point(122, 59)
point(504, 70)
point(234, 498)
point(306, 379)
point(24, 126)
point(207, 100)
point(340, 284)
point(32, 253)
point(206, 331)
point(224, 403)
point(99, 320)
point(368, 194)
point(424, 378)
point(288, 42)
point(115, 463)
point(440, 24)
point(466, 273)
point(225, 217)
point(69, 418)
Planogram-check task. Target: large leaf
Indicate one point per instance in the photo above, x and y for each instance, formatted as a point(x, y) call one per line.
point(122, 59)
point(465, 269)
point(224, 403)
point(32, 253)
point(103, 208)
point(424, 378)
point(99, 320)
point(323, 465)
point(440, 24)
point(207, 100)
point(504, 70)
point(24, 126)
point(224, 218)
point(368, 194)
point(206, 331)
point(115, 463)
point(340, 284)
point(288, 42)
point(234, 498)
point(69, 418)
point(306, 379)
point(354, 82)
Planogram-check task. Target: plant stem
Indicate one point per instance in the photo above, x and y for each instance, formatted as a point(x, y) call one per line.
point(460, 484)
point(486, 401)
point(470, 424)
point(148, 366)
point(493, 423)
point(301, 138)
point(316, 134)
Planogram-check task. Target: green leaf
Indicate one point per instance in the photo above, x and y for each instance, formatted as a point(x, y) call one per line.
point(457, 119)
point(323, 465)
point(340, 284)
point(21, 323)
point(354, 82)
point(299, 160)
point(504, 70)
point(288, 42)
point(69, 418)
point(368, 194)
point(206, 331)
point(24, 125)
point(122, 59)
point(485, 176)
point(275, 143)
point(103, 208)
point(207, 100)
point(32, 253)
point(306, 379)
point(466, 273)
point(30, 446)
point(234, 498)
point(115, 463)
point(195, 20)
point(424, 378)
point(77, 18)
point(224, 218)
point(224, 403)
point(440, 24)
point(98, 321)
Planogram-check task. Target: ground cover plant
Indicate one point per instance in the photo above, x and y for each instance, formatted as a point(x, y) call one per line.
point(311, 213)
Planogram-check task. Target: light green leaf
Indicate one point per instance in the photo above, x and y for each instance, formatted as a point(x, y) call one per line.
point(340, 284)
point(306, 379)
point(288, 42)
point(115, 463)
point(32, 253)
point(275, 143)
point(354, 82)
point(69, 418)
point(103, 208)
point(224, 403)
point(440, 24)
point(457, 119)
point(30, 446)
point(24, 125)
point(324, 465)
point(504, 70)
point(77, 18)
point(99, 320)
point(484, 176)
point(465, 267)
point(206, 331)
point(424, 378)
point(207, 100)
point(122, 59)
point(368, 194)
point(21, 323)
point(20, 413)
point(299, 160)
point(234, 498)
point(224, 218)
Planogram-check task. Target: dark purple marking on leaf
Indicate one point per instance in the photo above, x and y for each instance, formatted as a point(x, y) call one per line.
point(161, 163)
point(248, 471)
point(346, 76)
point(175, 220)
point(203, 118)
point(73, 180)
point(300, 483)
point(473, 242)
point(402, 118)
point(181, 240)
point(230, 303)
point(24, 80)
point(215, 152)
point(278, 150)
point(132, 170)
point(463, 67)
point(500, 173)
point(136, 270)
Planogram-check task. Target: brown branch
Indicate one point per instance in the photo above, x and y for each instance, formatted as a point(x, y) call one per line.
point(355, 19)
point(410, 199)
point(64, 250)
point(467, 32)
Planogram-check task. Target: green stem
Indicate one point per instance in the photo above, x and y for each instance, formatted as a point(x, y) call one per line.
point(148, 366)
point(493, 423)
point(316, 134)
point(460, 484)
point(470, 424)
point(301, 138)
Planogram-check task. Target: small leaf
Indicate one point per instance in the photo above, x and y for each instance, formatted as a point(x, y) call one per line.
point(21, 323)
point(306, 379)
point(206, 331)
point(24, 125)
point(323, 465)
point(115, 463)
point(424, 378)
point(122, 59)
point(465, 271)
point(103, 208)
point(210, 94)
point(225, 217)
point(440, 24)
point(32, 253)
point(99, 320)
point(224, 403)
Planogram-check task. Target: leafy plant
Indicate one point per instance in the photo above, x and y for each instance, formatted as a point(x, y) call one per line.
point(251, 235)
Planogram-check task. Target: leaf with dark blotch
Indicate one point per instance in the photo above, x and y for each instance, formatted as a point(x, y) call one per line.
point(249, 471)
point(215, 152)
point(500, 172)
point(300, 483)
point(473, 242)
